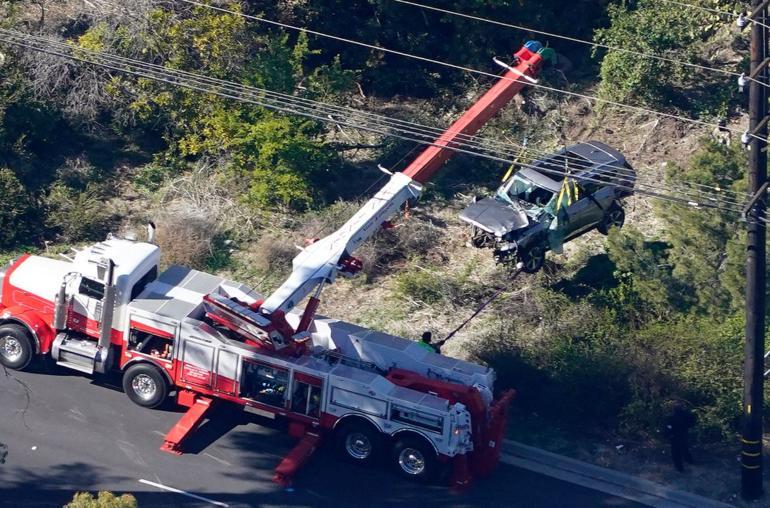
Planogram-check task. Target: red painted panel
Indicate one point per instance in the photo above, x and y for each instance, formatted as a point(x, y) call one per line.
point(196, 375)
point(308, 379)
point(7, 288)
point(152, 330)
point(226, 385)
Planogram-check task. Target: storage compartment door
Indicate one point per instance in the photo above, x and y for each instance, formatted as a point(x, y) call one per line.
point(227, 372)
point(197, 363)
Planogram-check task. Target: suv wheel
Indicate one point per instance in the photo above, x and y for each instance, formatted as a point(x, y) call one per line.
point(532, 259)
point(614, 218)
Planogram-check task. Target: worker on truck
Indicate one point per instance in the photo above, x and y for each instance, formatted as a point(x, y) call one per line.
point(425, 343)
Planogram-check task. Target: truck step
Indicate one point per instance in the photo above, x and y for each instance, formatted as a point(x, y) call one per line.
point(75, 353)
point(87, 369)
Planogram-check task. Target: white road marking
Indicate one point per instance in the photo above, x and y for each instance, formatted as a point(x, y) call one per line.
point(221, 461)
point(77, 415)
point(182, 492)
point(33, 448)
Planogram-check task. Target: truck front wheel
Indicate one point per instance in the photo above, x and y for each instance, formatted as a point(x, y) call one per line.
point(16, 348)
point(145, 385)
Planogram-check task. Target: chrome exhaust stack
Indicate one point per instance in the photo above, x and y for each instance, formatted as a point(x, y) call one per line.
point(103, 356)
point(61, 305)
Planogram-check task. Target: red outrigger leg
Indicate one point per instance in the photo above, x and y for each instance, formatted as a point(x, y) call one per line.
point(199, 406)
point(296, 458)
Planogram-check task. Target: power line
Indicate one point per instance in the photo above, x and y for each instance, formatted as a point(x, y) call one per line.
point(569, 38)
point(694, 195)
point(177, 78)
point(712, 10)
point(638, 109)
point(281, 106)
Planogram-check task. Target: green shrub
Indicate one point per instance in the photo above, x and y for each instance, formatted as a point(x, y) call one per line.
point(421, 286)
point(17, 213)
point(102, 500)
point(650, 27)
point(79, 215)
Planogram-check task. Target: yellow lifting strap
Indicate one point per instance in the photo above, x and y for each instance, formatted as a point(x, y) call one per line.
point(510, 171)
point(570, 192)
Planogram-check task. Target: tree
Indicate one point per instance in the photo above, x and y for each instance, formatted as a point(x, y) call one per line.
point(103, 500)
point(16, 214)
point(653, 27)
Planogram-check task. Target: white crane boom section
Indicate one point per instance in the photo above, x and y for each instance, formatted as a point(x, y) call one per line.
point(321, 261)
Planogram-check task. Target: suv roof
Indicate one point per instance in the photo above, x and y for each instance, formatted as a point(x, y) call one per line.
point(589, 160)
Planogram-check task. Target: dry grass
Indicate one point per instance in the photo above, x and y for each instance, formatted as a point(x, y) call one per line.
point(185, 240)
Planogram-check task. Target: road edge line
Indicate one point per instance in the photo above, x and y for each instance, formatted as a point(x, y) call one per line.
point(602, 479)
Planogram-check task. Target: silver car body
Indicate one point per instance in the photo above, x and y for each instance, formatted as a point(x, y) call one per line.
point(524, 213)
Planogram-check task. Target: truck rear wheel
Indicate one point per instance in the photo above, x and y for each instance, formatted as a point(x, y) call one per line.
point(16, 348)
point(358, 442)
point(415, 459)
point(145, 385)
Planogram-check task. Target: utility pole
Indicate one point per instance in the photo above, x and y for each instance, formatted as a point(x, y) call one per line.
point(754, 350)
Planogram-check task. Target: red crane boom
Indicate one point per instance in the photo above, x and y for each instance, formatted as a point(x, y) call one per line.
point(528, 63)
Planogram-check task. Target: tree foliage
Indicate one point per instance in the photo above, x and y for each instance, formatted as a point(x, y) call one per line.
point(102, 500)
point(655, 27)
point(17, 213)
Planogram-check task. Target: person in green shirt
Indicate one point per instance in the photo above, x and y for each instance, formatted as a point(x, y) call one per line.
point(425, 342)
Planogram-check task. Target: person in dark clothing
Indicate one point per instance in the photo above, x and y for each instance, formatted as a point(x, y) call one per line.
point(678, 426)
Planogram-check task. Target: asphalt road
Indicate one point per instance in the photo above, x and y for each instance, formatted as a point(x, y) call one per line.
point(66, 432)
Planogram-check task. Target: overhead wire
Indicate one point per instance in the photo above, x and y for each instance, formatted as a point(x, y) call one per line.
point(571, 39)
point(239, 96)
point(431, 134)
point(638, 109)
point(172, 76)
point(712, 10)
point(496, 76)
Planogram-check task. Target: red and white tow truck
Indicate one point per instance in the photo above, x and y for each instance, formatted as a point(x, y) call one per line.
point(208, 339)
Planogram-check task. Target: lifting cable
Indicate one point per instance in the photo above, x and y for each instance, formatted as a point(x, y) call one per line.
point(478, 310)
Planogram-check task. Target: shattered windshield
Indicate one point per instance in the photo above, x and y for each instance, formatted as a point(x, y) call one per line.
point(524, 192)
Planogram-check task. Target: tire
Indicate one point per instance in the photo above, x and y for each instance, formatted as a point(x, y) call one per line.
point(359, 442)
point(614, 218)
point(532, 259)
point(414, 458)
point(145, 385)
point(16, 347)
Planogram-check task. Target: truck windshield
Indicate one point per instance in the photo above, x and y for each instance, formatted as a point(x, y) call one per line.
point(525, 192)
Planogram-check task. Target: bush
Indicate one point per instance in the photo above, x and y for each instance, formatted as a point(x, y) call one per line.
point(17, 213)
point(652, 27)
point(421, 286)
point(79, 215)
point(186, 241)
point(103, 500)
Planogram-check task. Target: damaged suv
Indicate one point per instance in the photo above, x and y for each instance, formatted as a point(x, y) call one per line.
point(551, 201)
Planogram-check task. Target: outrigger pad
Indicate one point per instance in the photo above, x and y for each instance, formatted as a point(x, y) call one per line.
point(188, 423)
point(296, 458)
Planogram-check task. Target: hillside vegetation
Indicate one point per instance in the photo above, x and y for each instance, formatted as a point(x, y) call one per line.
point(602, 341)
